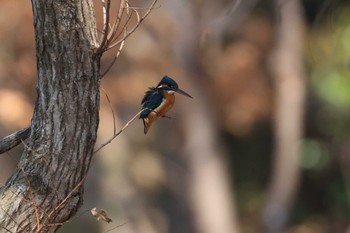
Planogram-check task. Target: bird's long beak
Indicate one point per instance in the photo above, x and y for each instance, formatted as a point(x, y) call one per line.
point(183, 93)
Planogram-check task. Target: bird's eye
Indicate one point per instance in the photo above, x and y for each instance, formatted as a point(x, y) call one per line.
point(171, 86)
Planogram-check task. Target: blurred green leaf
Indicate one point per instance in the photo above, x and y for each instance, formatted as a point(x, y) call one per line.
point(314, 155)
point(330, 52)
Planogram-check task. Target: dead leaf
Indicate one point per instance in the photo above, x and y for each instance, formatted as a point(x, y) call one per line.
point(100, 215)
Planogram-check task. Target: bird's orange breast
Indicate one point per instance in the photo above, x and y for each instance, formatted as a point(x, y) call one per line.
point(160, 111)
point(166, 105)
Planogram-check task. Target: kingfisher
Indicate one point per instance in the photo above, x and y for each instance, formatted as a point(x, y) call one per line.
point(158, 100)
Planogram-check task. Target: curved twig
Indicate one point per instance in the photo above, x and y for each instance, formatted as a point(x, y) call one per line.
point(120, 131)
point(112, 109)
point(139, 21)
point(114, 59)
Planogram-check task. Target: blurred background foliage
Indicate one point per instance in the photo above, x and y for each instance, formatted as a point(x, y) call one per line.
point(147, 181)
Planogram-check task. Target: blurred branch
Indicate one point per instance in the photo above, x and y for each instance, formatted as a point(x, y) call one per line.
point(12, 140)
point(120, 225)
point(287, 65)
point(231, 16)
point(208, 190)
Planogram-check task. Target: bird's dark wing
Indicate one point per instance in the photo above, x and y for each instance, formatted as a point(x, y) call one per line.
point(151, 100)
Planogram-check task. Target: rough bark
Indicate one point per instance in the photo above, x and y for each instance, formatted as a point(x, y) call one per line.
point(46, 187)
point(290, 100)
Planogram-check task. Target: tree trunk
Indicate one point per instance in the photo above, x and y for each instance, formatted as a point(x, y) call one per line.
point(290, 100)
point(46, 188)
point(209, 193)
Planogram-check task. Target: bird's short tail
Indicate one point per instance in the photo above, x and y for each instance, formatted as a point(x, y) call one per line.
point(145, 128)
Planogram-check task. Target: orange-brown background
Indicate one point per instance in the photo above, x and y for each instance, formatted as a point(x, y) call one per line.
point(168, 180)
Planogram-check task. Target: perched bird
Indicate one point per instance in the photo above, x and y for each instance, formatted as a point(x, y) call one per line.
point(158, 100)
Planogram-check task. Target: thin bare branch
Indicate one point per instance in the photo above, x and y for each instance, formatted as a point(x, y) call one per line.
point(135, 26)
point(114, 228)
point(120, 131)
point(127, 6)
point(104, 15)
point(45, 161)
point(68, 196)
point(69, 220)
point(112, 109)
point(124, 30)
point(143, 8)
point(32, 194)
point(137, 14)
point(106, 5)
point(116, 23)
point(33, 202)
point(5, 229)
point(30, 149)
point(113, 38)
point(36, 207)
point(114, 59)
point(9, 215)
point(39, 208)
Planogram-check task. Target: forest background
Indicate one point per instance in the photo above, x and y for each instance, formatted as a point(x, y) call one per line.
point(264, 144)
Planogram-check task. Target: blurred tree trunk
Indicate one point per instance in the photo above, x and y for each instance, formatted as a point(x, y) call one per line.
point(46, 187)
point(287, 65)
point(209, 193)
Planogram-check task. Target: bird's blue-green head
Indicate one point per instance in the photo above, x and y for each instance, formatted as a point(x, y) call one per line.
point(169, 85)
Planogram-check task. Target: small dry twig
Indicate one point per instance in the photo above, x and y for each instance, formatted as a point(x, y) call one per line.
point(9, 215)
point(116, 23)
point(69, 220)
point(113, 34)
point(68, 196)
point(120, 131)
point(32, 194)
point(114, 59)
point(112, 109)
point(1, 227)
point(106, 14)
point(115, 227)
point(45, 161)
point(139, 21)
point(38, 227)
